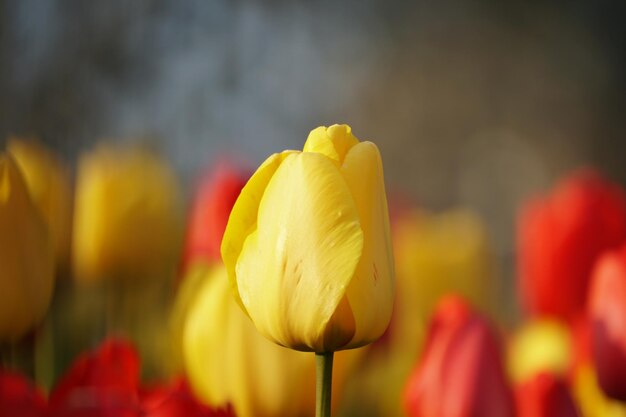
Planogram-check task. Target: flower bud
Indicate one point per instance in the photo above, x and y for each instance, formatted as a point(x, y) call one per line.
point(460, 372)
point(127, 216)
point(307, 246)
point(559, 239)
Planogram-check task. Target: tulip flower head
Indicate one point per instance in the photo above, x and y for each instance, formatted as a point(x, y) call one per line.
point(559, 239)
point(215, 196)
point(307, 246)
point(26, 256)
point(127, 216)
point(607, 311)
point(460, 373)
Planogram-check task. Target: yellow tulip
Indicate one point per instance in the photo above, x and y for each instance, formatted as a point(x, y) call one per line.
point(49, 186)
point(228, 361)
point(127, 216)
point(26, 256)
point(542, 345)
point(307, 246)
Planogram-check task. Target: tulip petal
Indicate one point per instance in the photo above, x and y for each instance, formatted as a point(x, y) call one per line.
point(371, 290)
point(243, 217)
point(334, 142)
point(293, 271)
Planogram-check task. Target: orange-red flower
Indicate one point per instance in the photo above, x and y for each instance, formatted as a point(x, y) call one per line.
point(560, 237)
point(100, 383)
point(215, 196)
point(105, 383)
point(607, 310)
point(460, 373)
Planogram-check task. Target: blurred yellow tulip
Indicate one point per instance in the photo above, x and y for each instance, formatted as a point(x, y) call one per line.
point(49, 185)
point(542, 345)
point(26, 256)
point(127, 216)
point(438, 254)
point(307, 246)
point(435, 254)
point(592, 402)
point(228, 361)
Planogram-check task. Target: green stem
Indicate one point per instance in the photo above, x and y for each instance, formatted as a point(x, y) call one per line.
point(324, 379)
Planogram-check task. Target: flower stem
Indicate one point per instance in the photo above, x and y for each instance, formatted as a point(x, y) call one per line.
point(324, 382)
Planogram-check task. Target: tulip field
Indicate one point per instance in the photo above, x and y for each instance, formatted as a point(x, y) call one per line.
point(300, 288)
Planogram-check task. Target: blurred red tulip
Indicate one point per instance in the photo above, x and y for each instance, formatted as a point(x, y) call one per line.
point(607, 311)
point(177, 400)
point(460, 373)
point(544, 395)
point(215, 196)
point(104, 382)
point(18, 397)
point(560, 237)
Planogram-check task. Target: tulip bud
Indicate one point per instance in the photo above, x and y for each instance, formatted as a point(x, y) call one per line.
point(559, 238)
point(607, 311)
point(127, 216)
point(460, 373)
point(228, 361)
point(213, 202)
point(26, 256)
point(307, 245)
point(544, 395)
point(49, 186)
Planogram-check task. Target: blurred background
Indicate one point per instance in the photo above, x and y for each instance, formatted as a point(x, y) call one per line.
point(472, 103)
